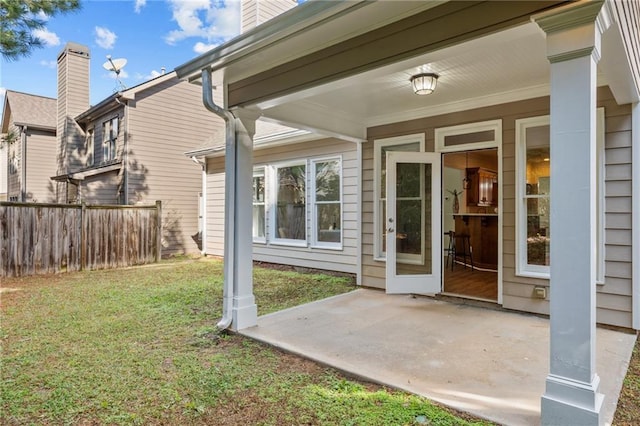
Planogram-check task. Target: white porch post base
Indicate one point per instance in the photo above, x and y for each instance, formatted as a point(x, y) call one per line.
point(566, 402)
point(244, 312)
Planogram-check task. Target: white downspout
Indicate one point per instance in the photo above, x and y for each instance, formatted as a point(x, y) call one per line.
point(203, 236)
point(635, 214)
point(229, 188)
point(359, 214)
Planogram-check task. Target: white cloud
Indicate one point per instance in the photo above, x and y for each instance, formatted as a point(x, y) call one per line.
point(47, 37)
point(139, 5)
point(105, 38)
point(215, 21)
point(49, 64)
point(152, 74)
point(3, 91)
point(201, 47)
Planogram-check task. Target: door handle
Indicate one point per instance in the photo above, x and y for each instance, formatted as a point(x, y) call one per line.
point(390, 230)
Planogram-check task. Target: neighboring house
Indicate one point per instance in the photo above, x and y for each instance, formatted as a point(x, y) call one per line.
point(28, 157)
point(129, 148)
point(536, 106)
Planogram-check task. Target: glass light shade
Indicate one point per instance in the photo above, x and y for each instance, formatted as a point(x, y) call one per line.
point(424, 84)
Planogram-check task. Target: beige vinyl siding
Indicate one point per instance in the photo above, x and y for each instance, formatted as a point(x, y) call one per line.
point(255, 12)
point(249, 11)
point(41, 165)
point(101, 188)
point(344, 260)
point(164, 122)
point(614, 296)
point(73, 99)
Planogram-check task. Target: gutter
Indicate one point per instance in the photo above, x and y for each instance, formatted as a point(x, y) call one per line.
point(229, 188)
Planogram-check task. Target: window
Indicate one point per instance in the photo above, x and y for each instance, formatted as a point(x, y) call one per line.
point(290, 204)
point(109, 139)
point(259, 205)
point(412, 143)
point(327, 203)
point(533, 196)
point(89, 147)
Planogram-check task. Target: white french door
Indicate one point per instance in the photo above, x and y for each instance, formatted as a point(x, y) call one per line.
point(413, 229)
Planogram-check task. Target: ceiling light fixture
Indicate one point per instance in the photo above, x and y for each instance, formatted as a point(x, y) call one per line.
point(425, 83)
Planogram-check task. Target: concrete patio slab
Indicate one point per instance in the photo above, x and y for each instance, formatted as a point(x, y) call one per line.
point(487, 362)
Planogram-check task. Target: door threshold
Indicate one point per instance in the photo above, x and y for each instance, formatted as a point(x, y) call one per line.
point(465, 297)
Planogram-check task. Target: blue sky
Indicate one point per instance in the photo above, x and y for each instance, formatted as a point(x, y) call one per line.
point(149, 34)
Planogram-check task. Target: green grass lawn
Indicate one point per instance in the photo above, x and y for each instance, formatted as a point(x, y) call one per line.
point(139, 346)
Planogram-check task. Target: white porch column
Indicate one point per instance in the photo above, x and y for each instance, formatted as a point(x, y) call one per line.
point(573, 48)
point(244, 308)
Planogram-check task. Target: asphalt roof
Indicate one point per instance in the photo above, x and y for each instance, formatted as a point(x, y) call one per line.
point(31, 110)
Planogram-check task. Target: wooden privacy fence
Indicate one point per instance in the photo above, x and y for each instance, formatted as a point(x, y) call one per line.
point(46, 238)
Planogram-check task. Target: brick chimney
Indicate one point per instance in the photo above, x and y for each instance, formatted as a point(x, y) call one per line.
point(73, 99)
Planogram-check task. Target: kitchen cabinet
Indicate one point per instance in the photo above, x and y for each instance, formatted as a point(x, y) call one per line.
point(483, 187)
point(482, 230)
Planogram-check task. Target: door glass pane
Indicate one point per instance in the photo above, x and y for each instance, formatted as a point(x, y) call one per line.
point(413, 219)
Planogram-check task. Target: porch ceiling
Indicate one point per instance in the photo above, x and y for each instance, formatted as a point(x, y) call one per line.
point(501, 67)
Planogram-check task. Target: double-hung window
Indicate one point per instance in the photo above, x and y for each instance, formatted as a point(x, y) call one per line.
point(533, 196)
point(89, 147)
point(327, 203)
point(412, 143)
point(259, 204)
point(290, 212)
point(109, 139)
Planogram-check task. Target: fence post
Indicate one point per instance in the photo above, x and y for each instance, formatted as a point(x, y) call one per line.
point(159, 231)
point(83, 237)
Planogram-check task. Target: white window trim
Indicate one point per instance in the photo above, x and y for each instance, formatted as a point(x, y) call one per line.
point(273, 236)
point(442, 132)
point(536, 271)
point(523, 269)
point(263, 240)
point(378, 144)
point(109, 145)
point(314, 204)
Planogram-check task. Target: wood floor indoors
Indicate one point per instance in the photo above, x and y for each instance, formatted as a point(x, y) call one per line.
point(464, 282)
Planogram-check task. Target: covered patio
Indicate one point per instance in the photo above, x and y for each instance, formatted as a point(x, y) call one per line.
point(343, 70)
point(486, 362)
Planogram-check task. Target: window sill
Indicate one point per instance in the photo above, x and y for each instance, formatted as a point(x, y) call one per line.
point(532, 274)
point(321, 247)
point(289, 243)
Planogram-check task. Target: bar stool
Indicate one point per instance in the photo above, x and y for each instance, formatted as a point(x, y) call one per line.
point(463, 248)
point(451, 249)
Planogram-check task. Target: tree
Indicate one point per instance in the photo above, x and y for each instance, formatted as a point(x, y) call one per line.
point(20, 18)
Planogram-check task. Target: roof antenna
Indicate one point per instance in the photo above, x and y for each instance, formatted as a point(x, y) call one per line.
point(116, 66)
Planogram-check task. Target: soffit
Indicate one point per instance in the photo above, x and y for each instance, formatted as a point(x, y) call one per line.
point(498, 68)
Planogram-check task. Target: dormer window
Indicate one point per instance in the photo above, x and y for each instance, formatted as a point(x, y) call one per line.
point(109, 139)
